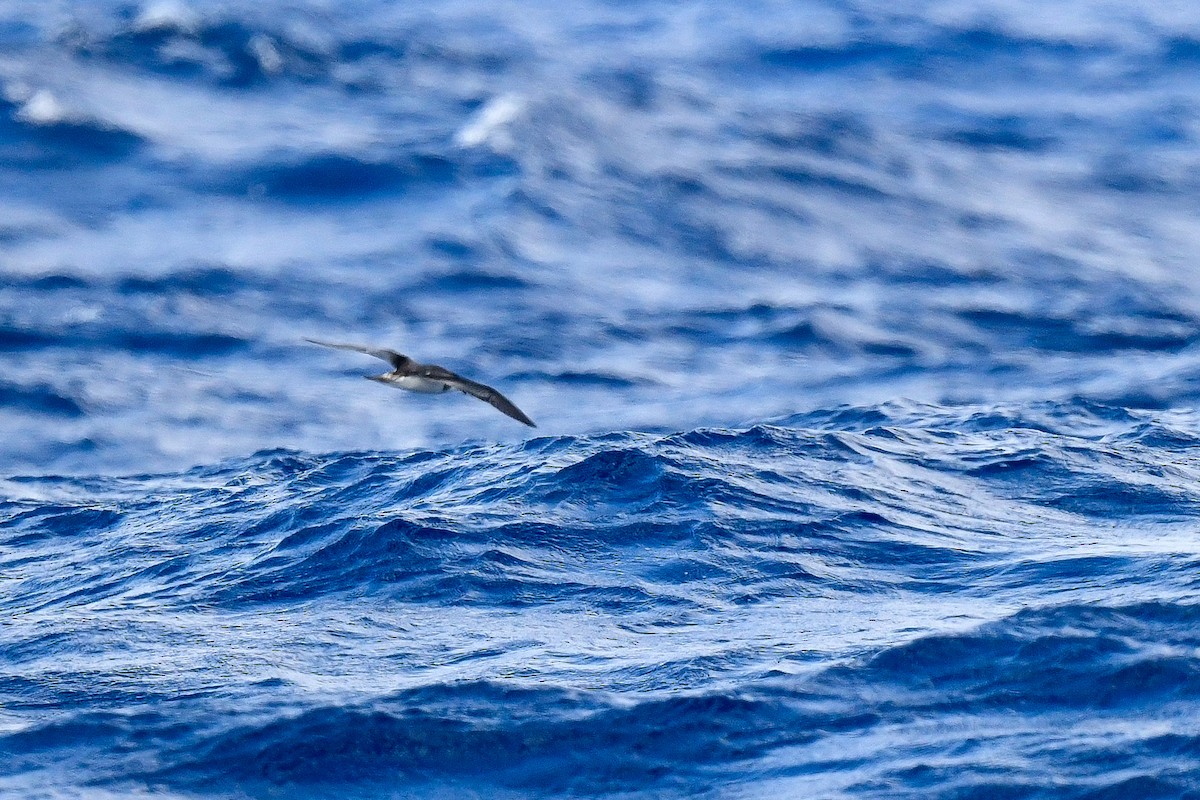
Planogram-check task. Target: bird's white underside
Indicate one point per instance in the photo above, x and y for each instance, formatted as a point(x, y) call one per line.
point(416, 383)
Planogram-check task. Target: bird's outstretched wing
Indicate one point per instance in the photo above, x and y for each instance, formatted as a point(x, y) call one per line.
point(397, 360)
point(485, 393)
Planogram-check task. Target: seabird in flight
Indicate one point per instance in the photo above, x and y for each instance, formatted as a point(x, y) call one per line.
point(430, 378)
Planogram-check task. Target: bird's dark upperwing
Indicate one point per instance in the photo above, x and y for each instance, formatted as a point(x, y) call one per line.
point(485, 393)
point(391, 356)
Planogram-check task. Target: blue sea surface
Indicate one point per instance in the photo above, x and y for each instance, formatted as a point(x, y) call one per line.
point(862, 338)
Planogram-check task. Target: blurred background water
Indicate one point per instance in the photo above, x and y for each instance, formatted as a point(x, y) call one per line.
point(862, 339)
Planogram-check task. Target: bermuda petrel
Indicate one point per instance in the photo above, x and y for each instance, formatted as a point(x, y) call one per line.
point(429, 378)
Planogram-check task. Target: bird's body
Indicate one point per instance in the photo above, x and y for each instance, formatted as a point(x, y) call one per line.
point(414, 376)
point(412, 383)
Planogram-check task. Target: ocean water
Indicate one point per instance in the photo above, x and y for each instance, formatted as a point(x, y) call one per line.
point(863, 341)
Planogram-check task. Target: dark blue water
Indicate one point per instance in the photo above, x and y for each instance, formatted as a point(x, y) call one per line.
point(863, 341)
